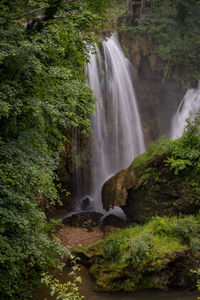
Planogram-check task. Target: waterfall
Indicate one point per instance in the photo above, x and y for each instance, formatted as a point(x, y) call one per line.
point(117, 134)
point(189, 106)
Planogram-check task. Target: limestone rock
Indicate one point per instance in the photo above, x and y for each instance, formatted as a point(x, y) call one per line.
point(114, 191)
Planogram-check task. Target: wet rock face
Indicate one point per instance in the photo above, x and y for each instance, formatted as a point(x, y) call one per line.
point(158, 97)
point(114, 191)
point(153, 189)
point(73, 160)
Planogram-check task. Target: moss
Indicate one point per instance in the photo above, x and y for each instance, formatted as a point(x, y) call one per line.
point(145, 256)
point(156, 151)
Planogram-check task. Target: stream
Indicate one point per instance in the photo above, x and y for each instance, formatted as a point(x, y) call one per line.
point(87, 290)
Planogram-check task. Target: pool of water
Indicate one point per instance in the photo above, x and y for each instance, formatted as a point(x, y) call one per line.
point(87, 290)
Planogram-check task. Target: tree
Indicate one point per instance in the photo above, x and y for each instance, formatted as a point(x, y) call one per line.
point(142, 6)
point(43, 93)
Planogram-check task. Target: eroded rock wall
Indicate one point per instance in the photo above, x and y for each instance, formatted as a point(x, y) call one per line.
point(158, 96)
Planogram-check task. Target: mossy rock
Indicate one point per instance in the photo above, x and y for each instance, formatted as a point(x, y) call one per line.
point(152, 186)
point(157, 255)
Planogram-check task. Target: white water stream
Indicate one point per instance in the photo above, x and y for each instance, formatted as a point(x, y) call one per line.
point(188, 107)
point(117, 136)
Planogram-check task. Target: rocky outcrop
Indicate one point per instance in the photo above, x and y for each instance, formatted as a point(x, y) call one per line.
point(114, 191)
point(152, 188)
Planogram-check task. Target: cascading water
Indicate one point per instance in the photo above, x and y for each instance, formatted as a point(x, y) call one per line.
point(189, 105)
point(117, 136)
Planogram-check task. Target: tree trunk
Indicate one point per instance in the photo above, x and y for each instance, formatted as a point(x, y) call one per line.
point(130, 5)
point(142, 6)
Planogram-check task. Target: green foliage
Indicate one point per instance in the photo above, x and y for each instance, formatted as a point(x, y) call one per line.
point(65, 291)
point(112, 248)
point(172, 27)
point(187, 229)
point(137, 250)
point(186, 150)
point(181, 154)
point(43, 93)
point(160, 235)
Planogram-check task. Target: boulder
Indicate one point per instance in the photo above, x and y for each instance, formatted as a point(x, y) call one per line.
point(151, 256)
point(114, 191)
point(113, 221)
point(85, 203)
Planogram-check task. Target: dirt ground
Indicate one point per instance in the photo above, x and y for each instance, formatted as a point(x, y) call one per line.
point(78, 237)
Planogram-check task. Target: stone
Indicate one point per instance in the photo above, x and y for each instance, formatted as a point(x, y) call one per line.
point(114, 191)
point(85, 203)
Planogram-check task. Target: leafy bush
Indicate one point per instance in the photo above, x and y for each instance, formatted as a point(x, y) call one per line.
point(112, 248)
point(157, 148)
point(67, 290)
point(179, 155)
point(186, 150)
point(137, 250)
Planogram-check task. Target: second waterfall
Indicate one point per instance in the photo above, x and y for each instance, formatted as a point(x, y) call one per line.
point(117, 136)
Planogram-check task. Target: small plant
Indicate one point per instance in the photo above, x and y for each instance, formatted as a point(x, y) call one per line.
point(137, 250)
point(65, 291)
point(112, 249)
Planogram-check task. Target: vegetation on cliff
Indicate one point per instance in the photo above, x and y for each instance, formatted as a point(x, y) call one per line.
point(162, 181)
point(172, 29)
point(43, 91)
point(169, 176)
